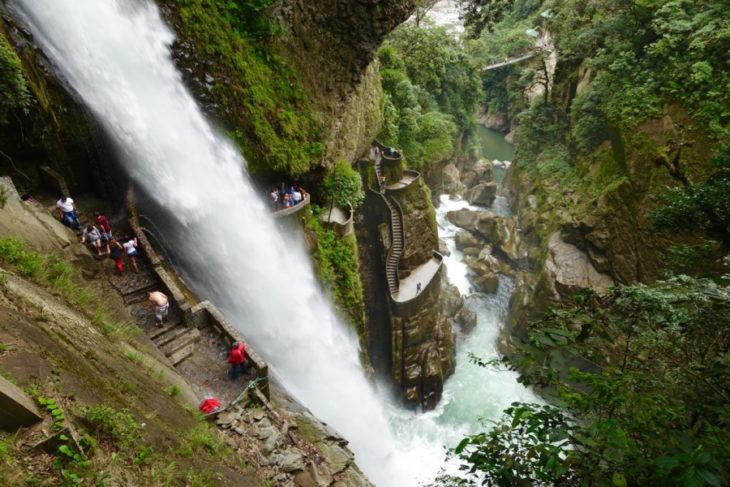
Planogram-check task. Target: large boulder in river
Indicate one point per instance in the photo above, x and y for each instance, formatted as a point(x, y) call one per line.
point(479, 222)
point(488, 283)
point(482, 194)
point(451, 180)
point(465, 239)
point(480, 171)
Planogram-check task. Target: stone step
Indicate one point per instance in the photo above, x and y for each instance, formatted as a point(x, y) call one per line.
point(160, 330)
point(182, 354)
point(191, 337)
point(171, 335)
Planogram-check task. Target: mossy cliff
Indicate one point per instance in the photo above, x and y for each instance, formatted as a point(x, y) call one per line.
point(301, 93)
point(587, 224)
point(44, 125)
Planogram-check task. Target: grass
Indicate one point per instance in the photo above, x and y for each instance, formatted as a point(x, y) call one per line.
point(174, 390)
point(203, 437)
point(51, 271)
point(117, 424)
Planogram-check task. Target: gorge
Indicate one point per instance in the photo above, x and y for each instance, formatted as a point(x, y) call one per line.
point(392, 331)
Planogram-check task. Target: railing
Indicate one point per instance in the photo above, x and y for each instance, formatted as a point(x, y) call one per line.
point(292, 209)
point(395, 156)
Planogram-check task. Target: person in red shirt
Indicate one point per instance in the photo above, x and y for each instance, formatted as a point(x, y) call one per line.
point(106, 229)
point(237, 359)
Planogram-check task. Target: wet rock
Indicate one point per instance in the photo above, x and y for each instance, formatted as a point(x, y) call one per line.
point(469, 178)
point(482, 194)
point(471, 251)
point(479, 222)
point(466, 319)
point(451, 180)
point(464, 239)
point(443, 249)
point(338, 459)
point(488, 282)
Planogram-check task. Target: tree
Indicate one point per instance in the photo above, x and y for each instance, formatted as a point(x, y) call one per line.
point(483, 14)
point(641, 385)
point(704, 206)
point(343, 186)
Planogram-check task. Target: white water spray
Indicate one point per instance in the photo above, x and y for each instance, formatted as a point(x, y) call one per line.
point(116, 55)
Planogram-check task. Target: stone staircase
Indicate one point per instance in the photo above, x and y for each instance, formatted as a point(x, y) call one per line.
point(396, 232)
point(176, 341)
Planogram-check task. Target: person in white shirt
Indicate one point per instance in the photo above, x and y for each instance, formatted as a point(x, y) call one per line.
point(67, 212)
point(130, 247)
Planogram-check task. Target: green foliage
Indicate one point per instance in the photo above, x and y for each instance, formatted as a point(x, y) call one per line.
point(704, 207)
point(641, 380)
point(343, 186)
point(174, 390)
point(339, 269)
point(249, 17)
point(118, 424)
point(202, 437)
point(431, 91)
point(14, 94)
point(52, 407)
point(262, 101)
point(483, 14)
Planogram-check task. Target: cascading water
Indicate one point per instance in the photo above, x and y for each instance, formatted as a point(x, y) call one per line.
point(116, 55)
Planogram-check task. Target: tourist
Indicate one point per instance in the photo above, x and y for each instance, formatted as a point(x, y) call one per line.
point(160, 304)
point(130, 247)
point(287, 200)
point(274, 198)
point(301, 190)
point(67, 212)
point(237, 359)
point(296, 196)
point(92, 236)
point(418, 288)
point(116, 251)
point(105, 227)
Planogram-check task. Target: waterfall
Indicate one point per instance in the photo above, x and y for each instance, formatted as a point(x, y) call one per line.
point(116, 55)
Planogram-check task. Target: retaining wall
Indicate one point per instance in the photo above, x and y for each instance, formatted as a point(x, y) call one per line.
point(202, 314)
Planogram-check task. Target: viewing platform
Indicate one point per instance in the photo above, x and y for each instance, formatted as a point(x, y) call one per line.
point(292, 210)
point(340, 220)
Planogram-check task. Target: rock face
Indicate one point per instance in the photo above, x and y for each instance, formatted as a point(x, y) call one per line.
point(482, 194)
point(571, 270)
point(410, 339)
point(423, 343)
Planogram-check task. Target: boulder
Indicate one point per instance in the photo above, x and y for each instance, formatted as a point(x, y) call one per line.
point(451, 180)
point(464, 239)
point(469, 178)
point(291, 460)
point(488, 282)
point(484, 170)
point(471, 251)
point(480, 222)
point(570, 270)
point(443, 248)
point(482, 194)
point(466, 319)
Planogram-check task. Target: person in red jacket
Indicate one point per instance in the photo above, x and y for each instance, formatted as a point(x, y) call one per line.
point(237, 359)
